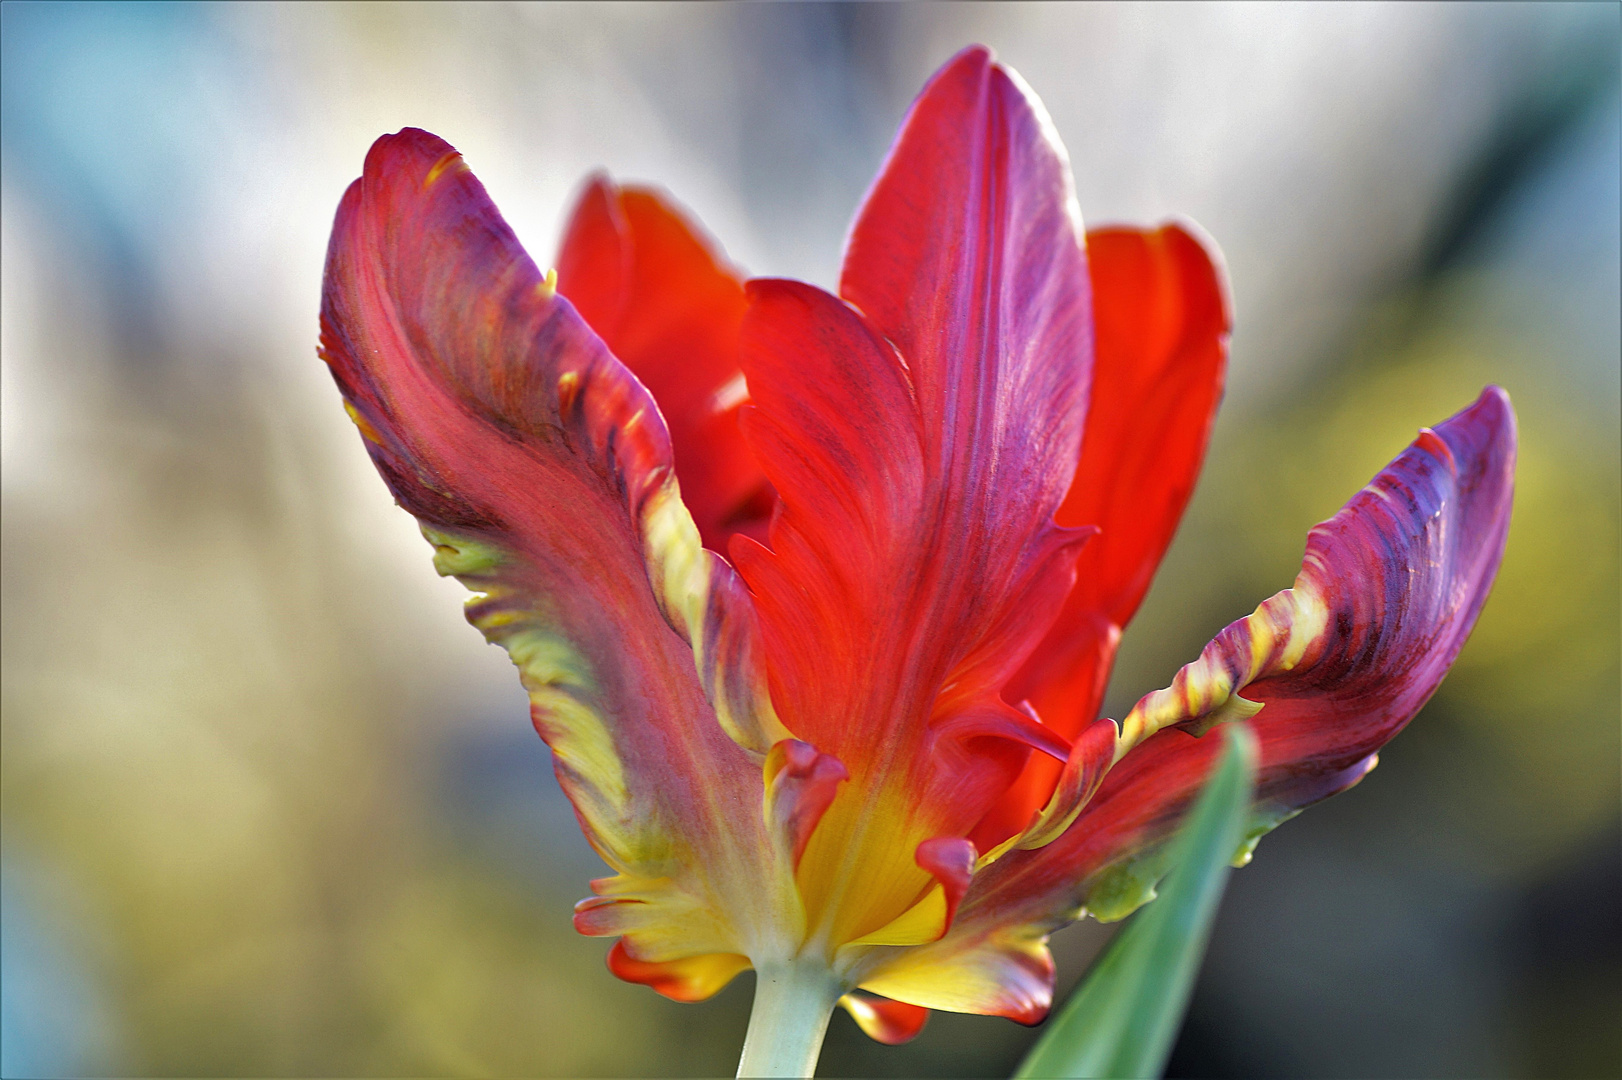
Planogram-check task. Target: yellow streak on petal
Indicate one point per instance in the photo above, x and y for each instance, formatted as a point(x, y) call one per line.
point(367, 431)
point(547, 287)
point(1007, 845)
point(681, 570)
point(553, 672)
point(1063, 807)
point(674, 552)
point(1207, 692)
point(1309, 621)
point(451, 162)
point(862, 1011)
point(568, 390)
point(558, 678)
point(1262, 636)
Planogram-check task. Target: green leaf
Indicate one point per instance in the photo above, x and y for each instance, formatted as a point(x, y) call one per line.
point(1123, 1018)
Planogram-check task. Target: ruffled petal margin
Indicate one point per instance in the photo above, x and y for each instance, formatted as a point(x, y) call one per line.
point(540, 470)
point(692, 978)
point(1330, 670)
point(886, 1021)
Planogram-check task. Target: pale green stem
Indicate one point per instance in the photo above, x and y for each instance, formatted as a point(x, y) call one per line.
point(793, 1001)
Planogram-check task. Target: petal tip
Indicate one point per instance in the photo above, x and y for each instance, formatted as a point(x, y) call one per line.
point(885, 1020)
point(688, 979)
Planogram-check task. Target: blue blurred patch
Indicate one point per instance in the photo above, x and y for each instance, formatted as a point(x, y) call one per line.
point(111, 118)
point(502, 805)
point(54, 1020)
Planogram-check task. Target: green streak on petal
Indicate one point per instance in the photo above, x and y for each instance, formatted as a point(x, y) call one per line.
point(1117, 891)
point(563, 690)
point(459, 555)
point(1263, 820)
point(1125, 887)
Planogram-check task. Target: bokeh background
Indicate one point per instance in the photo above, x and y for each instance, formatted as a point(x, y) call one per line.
point(271, 808)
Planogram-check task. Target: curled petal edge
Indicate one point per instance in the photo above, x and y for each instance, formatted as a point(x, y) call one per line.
point(540, 470)
point(1333, 668)
point(689, 979)
point(884, 1020)
point(800, 784)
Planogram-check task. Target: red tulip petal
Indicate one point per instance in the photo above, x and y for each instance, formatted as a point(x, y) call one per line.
point(886, 1021)
point(1388, 592)
point(1160, 323)
point(660, 295)
point(691, 978)
point(982, 966)
point(920, 439)
point(1000, 721)
point(540, 470)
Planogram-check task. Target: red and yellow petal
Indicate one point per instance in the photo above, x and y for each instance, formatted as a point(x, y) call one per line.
point(540, 470)
point(886, 1021)
point(692, 978)
point(1389, 589)
point(661, 296)
point(1161, 321)
point(1326, 672)
point(982, 966)
point(921, 432)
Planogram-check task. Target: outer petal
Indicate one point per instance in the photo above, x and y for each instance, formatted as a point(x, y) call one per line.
point(920, 438)
point(692, 978)
point(889, 1022)
point(660, 295)
point(1388, 592)
point(540, 470)
point(1161, 321)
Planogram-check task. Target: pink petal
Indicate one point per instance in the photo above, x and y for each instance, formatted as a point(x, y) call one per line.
point(541, 471)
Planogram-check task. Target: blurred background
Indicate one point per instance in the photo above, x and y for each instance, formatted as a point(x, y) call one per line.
point(271, 808)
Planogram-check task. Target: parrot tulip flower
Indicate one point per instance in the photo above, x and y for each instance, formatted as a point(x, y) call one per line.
point(815, 596)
